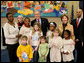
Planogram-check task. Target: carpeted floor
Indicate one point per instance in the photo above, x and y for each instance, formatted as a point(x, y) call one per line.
point(4, 56)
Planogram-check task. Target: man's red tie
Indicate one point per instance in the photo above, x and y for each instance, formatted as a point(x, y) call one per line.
point(77, 22)
point(38, 20)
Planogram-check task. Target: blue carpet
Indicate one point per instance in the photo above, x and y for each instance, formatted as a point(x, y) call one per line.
point(4, 56)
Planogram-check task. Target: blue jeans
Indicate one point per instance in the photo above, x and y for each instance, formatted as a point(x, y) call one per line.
point(5, 56)
point(75, 55)
point(35, 55)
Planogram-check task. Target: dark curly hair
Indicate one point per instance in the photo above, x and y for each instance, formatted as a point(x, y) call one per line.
point(7, 14)
point(69, 33)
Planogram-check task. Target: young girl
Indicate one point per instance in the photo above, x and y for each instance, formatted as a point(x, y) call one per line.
point(55, 43)
point(43, 49)
point(24, 50)
point(52, 27)
point(26, 28)
point(68, 47)
point(34, 40)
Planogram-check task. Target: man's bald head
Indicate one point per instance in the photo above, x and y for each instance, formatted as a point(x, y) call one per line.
point(79, 13)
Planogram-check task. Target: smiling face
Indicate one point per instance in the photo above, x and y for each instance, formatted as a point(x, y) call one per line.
point(20, 19)
point(23, 41)
point(43, 40)
point(64, 20)
point(37, 14)
point(66, 35)
point(36, 27)
point(79, 13)
point(26, 22)
point(52, 27)
point(10, 18)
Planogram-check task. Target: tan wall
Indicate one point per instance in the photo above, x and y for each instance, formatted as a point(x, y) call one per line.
point(50, 19)
point(54, 19)
point(75, 7)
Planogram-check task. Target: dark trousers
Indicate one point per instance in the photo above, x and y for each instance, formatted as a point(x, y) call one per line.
point(79, 51)
point(35, 55)
point(82, 54)
point(75, 55)
point(48, 57)
point(12, 52)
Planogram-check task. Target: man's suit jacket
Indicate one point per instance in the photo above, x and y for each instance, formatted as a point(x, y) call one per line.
point(44, 25)
point(78, 32)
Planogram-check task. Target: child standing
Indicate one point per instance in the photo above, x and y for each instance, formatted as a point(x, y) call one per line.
point(55, 43)
point(24, 51)
point(34, 40)
point(68, 47)
point(52, 27)
point(43, 49)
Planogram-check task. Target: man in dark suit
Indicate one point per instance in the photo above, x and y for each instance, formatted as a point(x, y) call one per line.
point(78, 32)
point(42, 21)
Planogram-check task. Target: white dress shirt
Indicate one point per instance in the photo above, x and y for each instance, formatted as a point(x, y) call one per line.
point(39, 21)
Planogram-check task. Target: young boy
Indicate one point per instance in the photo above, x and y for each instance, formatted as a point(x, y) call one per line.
point(24, 51)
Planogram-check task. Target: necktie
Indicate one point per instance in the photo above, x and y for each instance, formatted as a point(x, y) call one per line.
point(38, 20)
point(77, 22)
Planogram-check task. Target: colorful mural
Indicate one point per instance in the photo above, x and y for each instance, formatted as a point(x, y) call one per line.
point(26, 8)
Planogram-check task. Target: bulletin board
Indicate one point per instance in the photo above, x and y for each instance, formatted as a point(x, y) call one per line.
point(27, 8)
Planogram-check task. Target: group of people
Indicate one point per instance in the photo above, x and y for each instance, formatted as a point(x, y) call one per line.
point(41, 41)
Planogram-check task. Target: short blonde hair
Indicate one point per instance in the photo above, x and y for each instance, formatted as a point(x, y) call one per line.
point(24, 37)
